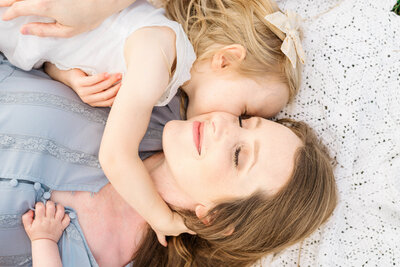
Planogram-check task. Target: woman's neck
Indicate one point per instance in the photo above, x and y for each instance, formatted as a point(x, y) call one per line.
point(165, 183)
point(132, 227)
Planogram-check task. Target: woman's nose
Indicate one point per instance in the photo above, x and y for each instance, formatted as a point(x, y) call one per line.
point(219, 127)
point(213, 131)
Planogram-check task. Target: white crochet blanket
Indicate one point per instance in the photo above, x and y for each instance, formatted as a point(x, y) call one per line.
point(350, 95)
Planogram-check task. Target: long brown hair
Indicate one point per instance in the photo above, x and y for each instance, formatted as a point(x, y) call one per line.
point(212, 24)
point(261, 223)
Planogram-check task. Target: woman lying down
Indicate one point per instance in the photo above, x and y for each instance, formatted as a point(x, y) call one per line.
point(278, 191)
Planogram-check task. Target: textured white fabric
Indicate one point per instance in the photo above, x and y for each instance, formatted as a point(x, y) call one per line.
point(100, 50)
point(350, 95)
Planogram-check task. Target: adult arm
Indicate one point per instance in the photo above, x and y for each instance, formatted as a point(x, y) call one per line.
point(71, 17)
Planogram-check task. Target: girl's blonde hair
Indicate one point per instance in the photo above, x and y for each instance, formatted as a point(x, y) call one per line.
point(261, 223)
point(213, 24)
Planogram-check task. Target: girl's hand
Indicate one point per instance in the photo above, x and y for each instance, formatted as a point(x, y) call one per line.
point(97, 90)
point(175, 227)
point(49, 222)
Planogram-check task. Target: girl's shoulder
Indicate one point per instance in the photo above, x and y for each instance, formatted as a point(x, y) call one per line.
point(163, 35)
point(178, 51)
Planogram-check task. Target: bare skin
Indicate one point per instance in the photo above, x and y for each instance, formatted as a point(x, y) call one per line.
point(113, 229)
point(101, 214)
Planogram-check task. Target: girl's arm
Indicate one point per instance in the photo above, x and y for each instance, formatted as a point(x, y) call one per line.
point(71, 17)
point(44, 231)
point(145, 81)
point(96, 90)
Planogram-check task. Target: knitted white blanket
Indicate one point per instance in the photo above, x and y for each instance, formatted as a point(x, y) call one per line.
point(350, 95)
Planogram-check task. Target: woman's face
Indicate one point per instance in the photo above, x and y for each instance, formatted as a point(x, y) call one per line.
point(213, 158)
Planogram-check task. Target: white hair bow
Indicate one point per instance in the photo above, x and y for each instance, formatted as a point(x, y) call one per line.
point(289, 24)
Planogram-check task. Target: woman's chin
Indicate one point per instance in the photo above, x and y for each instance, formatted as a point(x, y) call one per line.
point(173, 139)
point(168, 133)
point(173, 133)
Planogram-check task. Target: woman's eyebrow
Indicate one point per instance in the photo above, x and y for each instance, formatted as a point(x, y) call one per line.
point(256, 148)
point(256, 145)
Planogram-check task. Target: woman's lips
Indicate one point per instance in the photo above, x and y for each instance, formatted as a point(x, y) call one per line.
point(197, 135)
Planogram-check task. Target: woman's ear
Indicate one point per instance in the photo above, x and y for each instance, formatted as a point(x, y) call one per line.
point(201, 213)
point(229, 230)
point(227, 56)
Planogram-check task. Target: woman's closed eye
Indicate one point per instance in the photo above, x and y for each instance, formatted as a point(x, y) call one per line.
point(236, 156)
point(239, 148)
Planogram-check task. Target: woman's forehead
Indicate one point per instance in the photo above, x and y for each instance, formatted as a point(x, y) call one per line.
point(275, 156)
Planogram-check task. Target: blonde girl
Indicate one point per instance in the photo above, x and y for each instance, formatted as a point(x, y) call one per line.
point(232, 63)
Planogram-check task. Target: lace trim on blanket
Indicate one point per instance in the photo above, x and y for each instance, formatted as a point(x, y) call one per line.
point(54, 101)
point(16, 260)
point(10, 221)
point(45, 146)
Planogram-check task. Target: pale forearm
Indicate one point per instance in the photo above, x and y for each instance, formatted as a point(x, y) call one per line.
point(57, 74)
point(45, 253)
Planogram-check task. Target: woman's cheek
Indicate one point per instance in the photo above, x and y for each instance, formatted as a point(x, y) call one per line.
point(217, 171)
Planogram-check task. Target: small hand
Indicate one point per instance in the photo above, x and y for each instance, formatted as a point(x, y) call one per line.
point(49, 222)
point(175, 227)
point(96, 90)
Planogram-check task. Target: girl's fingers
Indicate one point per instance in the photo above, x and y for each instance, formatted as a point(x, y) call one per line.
point(161, 238)
point(27, 218)
point(103, 95)
point(46, 29)
point(191, 232)
point(104, 84)
point(59, 212)
point(91, 80)
point(107, 103)
point(39, 210)
point(20, 8)
point(50, 209)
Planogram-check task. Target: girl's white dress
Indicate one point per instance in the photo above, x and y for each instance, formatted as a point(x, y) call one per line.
point(100, 50)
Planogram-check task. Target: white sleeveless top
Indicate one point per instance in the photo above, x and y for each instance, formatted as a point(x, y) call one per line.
point(96, 51)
